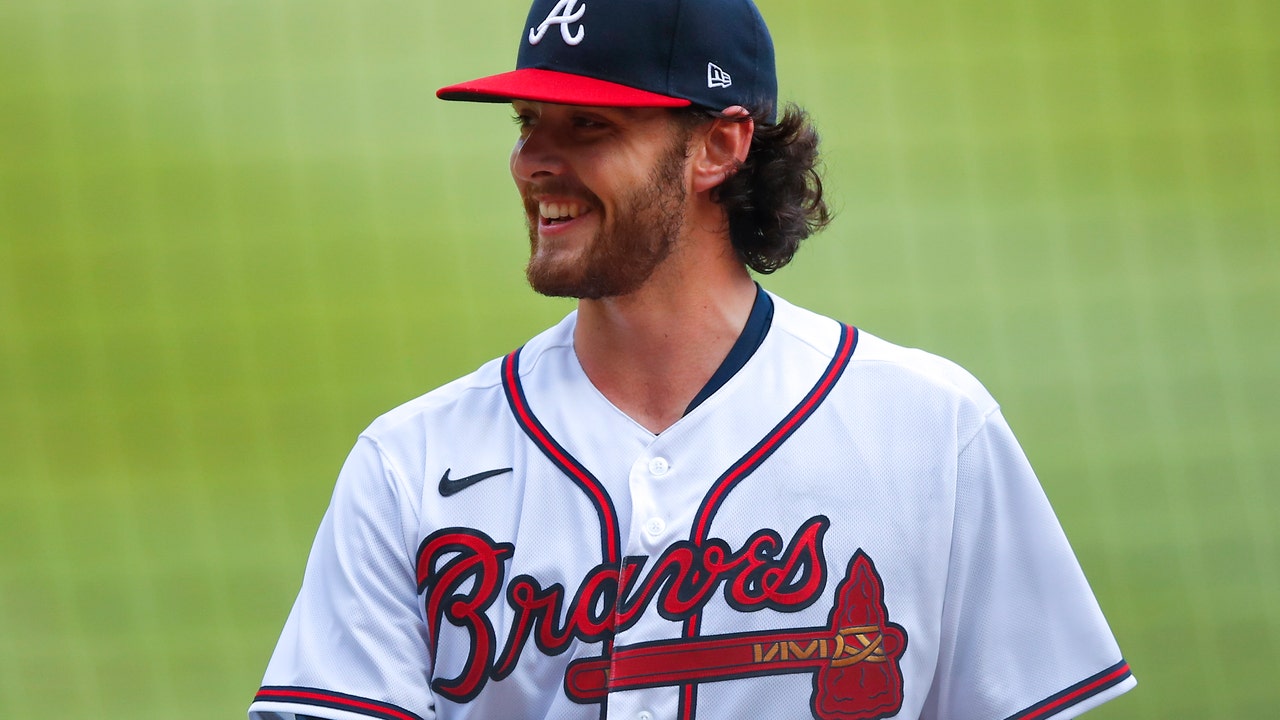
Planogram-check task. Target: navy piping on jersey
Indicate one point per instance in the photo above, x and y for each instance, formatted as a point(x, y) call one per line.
point(747, 464)
point(1077, 693)
point(610, 536)
point(335, 700)
point(748, 342)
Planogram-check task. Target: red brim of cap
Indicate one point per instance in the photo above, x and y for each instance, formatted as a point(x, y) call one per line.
point(555, 87)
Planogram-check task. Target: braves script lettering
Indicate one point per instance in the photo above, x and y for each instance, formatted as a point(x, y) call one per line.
point(461, 571)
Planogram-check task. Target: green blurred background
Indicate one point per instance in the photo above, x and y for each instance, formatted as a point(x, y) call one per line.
point(232, 232)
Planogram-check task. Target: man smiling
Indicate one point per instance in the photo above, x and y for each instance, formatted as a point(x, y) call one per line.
point(690, 498)
point(563, 152)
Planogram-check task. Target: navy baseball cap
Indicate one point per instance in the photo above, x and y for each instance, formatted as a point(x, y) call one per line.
point(637, 53)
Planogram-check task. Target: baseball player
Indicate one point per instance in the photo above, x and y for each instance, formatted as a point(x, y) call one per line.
point(690, 498)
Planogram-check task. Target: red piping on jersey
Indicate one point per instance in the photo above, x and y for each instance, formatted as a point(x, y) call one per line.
point(752, 460)
point(1077, 693)
point(340, 701)
point(610, 537)
point(765, 448)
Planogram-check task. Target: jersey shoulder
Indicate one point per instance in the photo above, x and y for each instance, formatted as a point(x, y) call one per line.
point(875, 354)
point(892, 383)
point(923, 366)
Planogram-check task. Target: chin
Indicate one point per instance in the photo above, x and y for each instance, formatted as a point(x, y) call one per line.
point(553, 279)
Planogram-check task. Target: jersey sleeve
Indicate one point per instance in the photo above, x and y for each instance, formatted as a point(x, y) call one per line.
point(354, 645)
point(1023, 636)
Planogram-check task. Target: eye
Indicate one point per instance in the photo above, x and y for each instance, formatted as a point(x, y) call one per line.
point(589, 122)
point(523, 120)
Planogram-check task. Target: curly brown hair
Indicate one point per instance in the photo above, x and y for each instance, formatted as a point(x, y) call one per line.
point(774, 200)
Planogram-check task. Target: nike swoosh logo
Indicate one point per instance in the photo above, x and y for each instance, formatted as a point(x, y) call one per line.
point(456, 485)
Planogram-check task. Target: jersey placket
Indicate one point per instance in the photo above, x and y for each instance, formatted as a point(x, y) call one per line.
point(663, 493)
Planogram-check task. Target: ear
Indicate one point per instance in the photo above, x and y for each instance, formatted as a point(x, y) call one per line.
point(721, 147)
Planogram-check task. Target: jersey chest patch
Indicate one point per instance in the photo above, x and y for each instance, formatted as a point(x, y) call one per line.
point(853, 658)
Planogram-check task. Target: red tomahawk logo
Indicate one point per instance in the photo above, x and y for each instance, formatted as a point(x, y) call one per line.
point(854, 658)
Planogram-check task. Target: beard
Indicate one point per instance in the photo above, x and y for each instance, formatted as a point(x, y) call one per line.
point(624, 253)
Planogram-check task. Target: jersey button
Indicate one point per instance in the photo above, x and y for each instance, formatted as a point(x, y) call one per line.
point(644, 715)
point(659, 466)
point(655, 526)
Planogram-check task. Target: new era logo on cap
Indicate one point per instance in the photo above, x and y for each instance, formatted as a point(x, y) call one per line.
point(717, 78)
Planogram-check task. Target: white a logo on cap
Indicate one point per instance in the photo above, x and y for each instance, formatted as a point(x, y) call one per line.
point(562, 14)
point(717, 78)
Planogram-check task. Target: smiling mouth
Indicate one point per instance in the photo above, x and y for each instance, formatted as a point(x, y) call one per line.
point(552, 213)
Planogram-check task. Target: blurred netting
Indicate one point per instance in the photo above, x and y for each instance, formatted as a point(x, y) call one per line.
point(232, 233)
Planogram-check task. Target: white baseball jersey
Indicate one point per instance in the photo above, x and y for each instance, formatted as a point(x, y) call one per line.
point(845, 530)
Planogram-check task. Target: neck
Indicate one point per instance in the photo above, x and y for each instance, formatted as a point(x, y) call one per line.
point(651, 351)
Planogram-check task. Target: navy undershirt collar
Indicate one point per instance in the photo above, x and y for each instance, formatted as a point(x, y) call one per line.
point(752, 335)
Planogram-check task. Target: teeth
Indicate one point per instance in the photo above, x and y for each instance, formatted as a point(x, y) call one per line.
point(559, 211)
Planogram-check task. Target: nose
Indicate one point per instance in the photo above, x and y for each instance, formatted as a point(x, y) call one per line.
point(537, 155)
